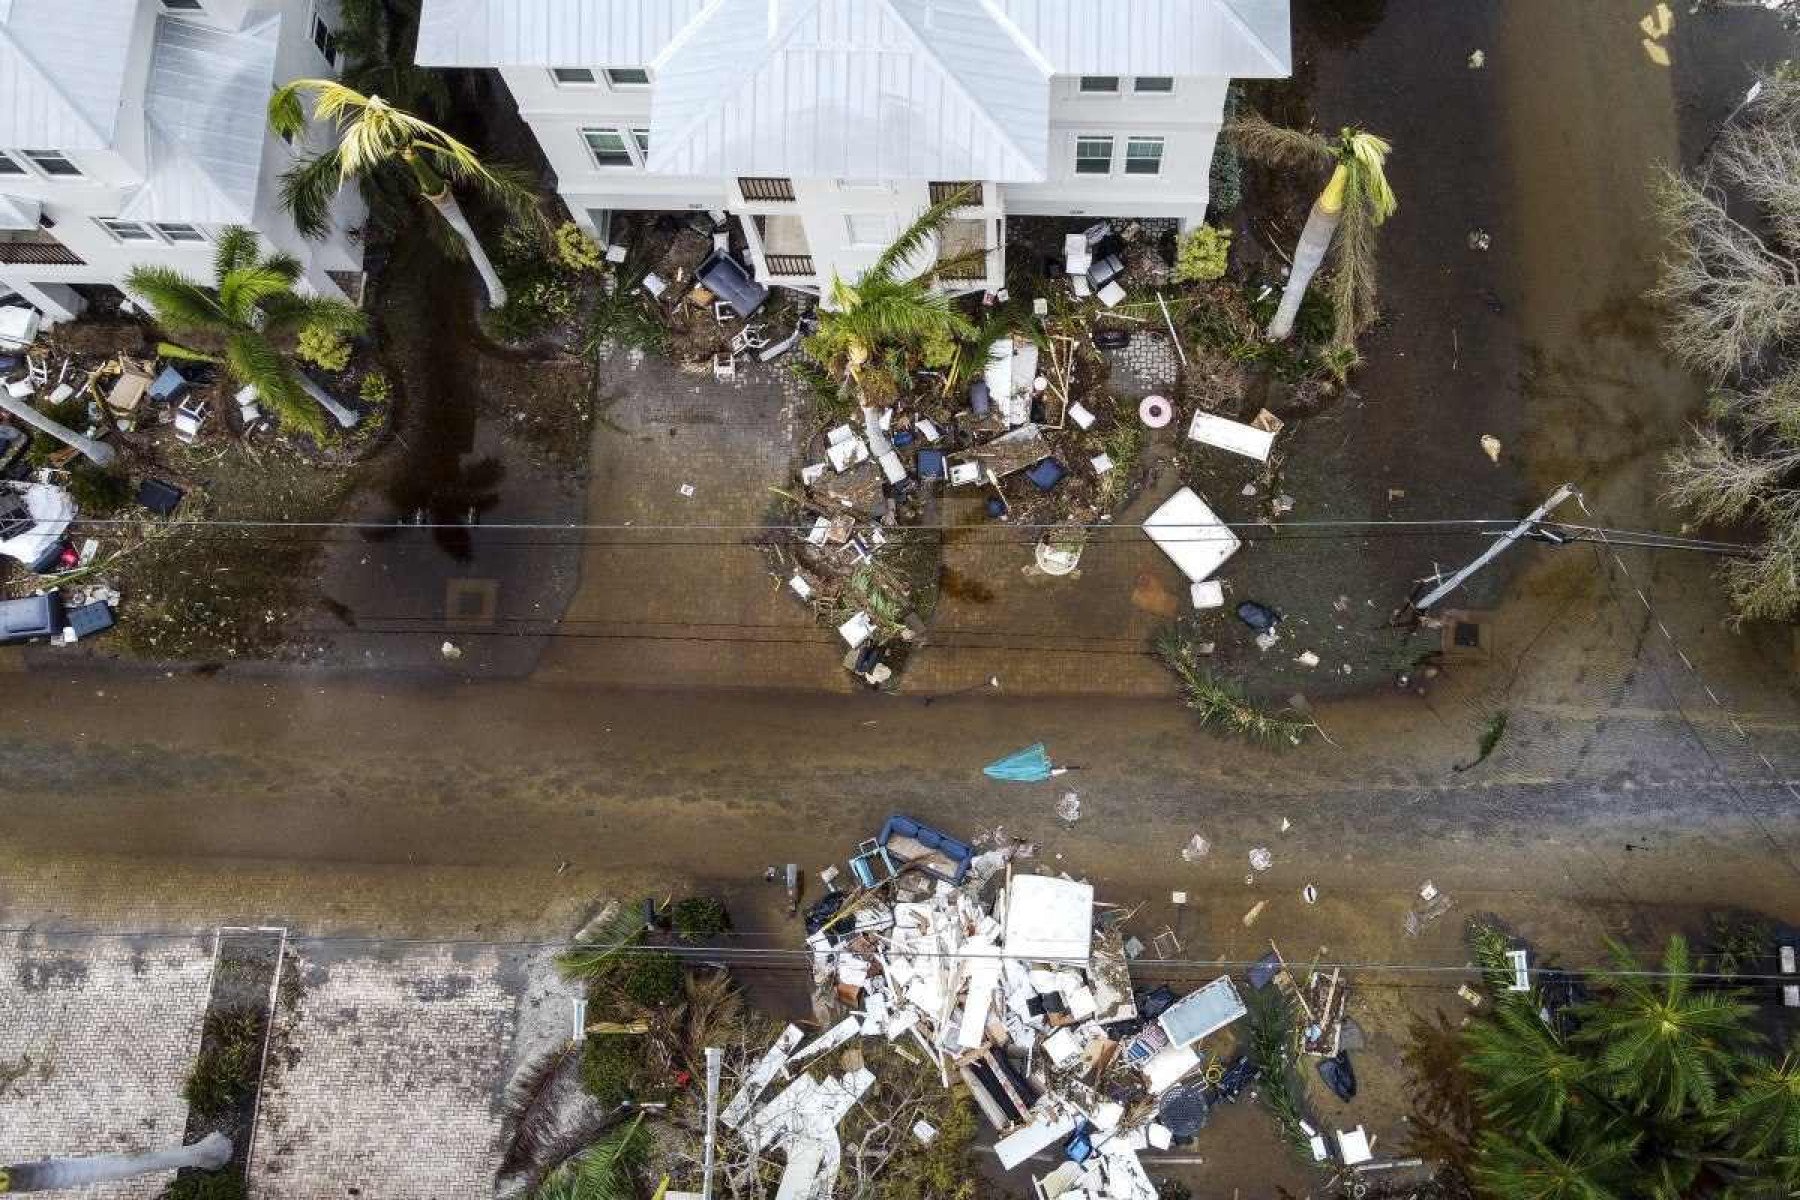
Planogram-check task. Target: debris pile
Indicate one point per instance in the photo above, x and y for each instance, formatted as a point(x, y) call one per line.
point(1016, 985)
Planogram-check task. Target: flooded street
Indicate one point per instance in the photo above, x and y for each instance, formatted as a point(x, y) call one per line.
point(1645, 776)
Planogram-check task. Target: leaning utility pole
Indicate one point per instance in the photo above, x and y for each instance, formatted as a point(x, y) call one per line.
point(1528, 525)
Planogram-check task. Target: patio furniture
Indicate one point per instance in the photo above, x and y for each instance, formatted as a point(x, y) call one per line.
point(750, 337)
point(728, 280)
point(190, 414)
point(168, 386)
point(724, 366)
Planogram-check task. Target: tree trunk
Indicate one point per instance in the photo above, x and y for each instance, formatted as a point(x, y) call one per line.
point(54, 1174)
point(345, 417)
point(452, 213)
point(99, 453)
point(1315, 239)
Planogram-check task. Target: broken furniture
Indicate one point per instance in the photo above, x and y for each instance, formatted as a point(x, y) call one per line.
point(127, 392)
point(30, 618)
point(18, 327)
point(1193, 537)
point(913, 843)
point(88, 619)
point(33, 519)
point(726, 278)
point(169, 386)
point(190, 415)
point(747, 339)
point(724, 366)
point(1046, 474)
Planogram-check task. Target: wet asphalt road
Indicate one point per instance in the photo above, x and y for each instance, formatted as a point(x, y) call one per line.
point(1620, 800)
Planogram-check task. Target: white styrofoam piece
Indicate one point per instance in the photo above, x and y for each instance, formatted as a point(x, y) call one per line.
point(802, 589)
point(857, 630)
point(1353, 1146)
point(1111, 294)
point(1102, 463)
point(1235, 436)
point(1079, 414)
point(1168, 1066)
point(1191, 535)
point(1208, 593)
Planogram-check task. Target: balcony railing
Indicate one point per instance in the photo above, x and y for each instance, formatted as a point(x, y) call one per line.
point(39, 254)
point(944, 189)
point(789, 265)
point(766, 187)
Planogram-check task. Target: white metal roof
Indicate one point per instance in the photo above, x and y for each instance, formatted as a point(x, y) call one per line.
point(204, 118)
point(1238, 38)
point(62, 71)
point(849, 89)
point(550, 33)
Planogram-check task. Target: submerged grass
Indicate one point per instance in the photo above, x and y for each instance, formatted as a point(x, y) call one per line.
point(1221, 703)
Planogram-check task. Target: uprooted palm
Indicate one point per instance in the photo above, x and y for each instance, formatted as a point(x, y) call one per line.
point(251, 309)
point(1356, 201)
point(378, 141)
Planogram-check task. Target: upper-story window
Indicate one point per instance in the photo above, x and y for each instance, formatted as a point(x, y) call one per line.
point(627, 77)
point(1100, 85)
point(1153, 84)
point(52, 162)
point(179, 231)
point(609, 147)
point(1143, 156)
point(324, 39)
point(10, 165)
point(574, 76)
point(183, 5)
point(1093, 155)
point(127, 231)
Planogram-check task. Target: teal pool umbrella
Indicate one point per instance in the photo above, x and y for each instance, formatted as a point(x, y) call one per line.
point(1030, 765)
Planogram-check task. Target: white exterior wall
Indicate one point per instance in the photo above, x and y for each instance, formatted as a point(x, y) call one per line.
point(109, 177)
point(1187, 119)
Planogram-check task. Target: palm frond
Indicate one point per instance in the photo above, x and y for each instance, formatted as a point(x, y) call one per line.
point(251, 360)
point(287, 113)
point(290, 313)
point(1369, 154)
point(529, 1107)
point(307, 190)
point(1278, 146)
point(615, 928)
point(180, 304)
point(237, 248)
point(242, 290)
point(1353, 269)
point(915, 238)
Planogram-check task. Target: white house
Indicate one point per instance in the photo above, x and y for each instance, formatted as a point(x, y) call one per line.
point(131, 131)
point(825, 125)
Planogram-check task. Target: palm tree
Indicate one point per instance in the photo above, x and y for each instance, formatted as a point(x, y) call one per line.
point(251, 307)
point(1763, 1117)
point(601, 1172)
point(1525, 1076)
point(1663, 1046)
point(378, 141)
point(377, 39)
point(1526, 1168)
point(1355, 202)
point(55, 1174)
point(884, 309)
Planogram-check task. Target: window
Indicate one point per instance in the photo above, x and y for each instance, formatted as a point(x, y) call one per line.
point(1103, 85)
point(324, 39)
point(1093, 155)
point(9, 166)
point(182, 5)
point(52, 162)
point(127, 231)
point(642, 138)
point(1143, 156)
point(627, 77)
point(608, 147)
point(179, 232)
point(1153, 83)
point(870, 229)
point(574, 76)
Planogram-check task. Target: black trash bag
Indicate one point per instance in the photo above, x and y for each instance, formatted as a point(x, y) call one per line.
point(1338, 1075)
point(1259, 617)
point(1152, 1004)
point(823, 911)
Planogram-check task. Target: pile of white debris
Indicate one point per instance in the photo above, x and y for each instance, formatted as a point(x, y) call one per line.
point(1027, 1001)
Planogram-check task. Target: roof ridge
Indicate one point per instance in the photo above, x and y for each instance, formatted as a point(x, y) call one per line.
point(962, 90)
point(1229, 7)
point(36, 68)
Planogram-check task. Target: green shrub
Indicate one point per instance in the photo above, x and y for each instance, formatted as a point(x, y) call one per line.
point(227, 1184)
point(699, 917)
point(575, 250)
point(1203, 255)
point(323, 348)
point(612, 1066)
point(651, 979)
point(376, 388)
point(96, 491)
